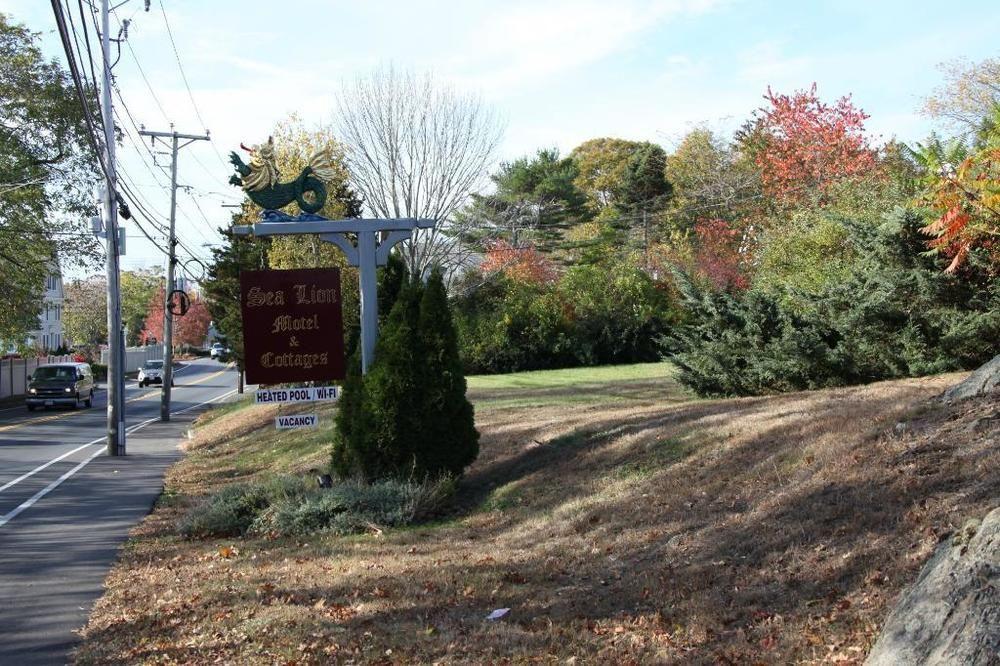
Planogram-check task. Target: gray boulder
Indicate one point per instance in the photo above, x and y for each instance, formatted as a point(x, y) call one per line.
point(951, 614)
point(984, 380)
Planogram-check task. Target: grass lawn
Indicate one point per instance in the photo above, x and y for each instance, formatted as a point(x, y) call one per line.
point(578, 386)
point(620, 521)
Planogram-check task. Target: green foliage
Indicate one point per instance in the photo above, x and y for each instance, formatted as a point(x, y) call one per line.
point(750, 344)
point(388, 445)
point(221, 287)
point(291, 505)
point(593, 315)
point(710, 178)
point(602, 164)
point(451, 441)
point(536, 200)
point(644, 184)
point(805, 256)
point(408, 418)
point(893, 314)
point(85, 310)
point(138, 288)
point(47, 172)
point(233, 510)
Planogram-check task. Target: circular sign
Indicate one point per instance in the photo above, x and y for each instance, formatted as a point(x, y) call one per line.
point(179, 303)
point(197, 277)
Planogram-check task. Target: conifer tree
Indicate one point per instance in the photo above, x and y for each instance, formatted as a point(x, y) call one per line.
point(408, 418)
point(350, 421)
point(449, 441)
point(383, 440)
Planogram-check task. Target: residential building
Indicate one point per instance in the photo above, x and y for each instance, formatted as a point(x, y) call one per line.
point(49, 334)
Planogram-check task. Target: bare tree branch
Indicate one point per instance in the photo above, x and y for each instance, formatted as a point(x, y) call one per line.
point(417, 149)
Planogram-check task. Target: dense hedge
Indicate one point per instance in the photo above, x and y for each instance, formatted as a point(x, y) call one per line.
point(896, 314)
point(594, 315)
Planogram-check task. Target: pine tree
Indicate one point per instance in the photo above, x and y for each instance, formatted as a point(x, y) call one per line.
point(379, 428)
point(408, 418)
point(449, 441)
point(350, 421)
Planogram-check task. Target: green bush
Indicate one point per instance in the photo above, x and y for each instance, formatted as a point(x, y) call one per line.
point(100, 371)
point(289, 505)
point(408, 418)
point(233, 510)
point(894, 313)
point(594, 315)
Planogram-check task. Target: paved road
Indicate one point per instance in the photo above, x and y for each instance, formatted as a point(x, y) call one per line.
point(66, 507)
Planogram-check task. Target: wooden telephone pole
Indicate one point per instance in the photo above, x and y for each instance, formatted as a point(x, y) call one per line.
point(168, 318)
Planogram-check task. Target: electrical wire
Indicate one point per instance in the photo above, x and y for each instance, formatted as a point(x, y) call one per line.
point(187, 86)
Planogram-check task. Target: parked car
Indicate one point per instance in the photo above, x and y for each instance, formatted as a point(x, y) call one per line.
point(60, 384)
point(152, 373)
point(217, 350)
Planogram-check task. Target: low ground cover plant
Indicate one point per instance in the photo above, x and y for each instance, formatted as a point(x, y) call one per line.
point(294, 505)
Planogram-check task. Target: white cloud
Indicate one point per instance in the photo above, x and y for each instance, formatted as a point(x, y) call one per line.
point(527, 44)
point(765, 64)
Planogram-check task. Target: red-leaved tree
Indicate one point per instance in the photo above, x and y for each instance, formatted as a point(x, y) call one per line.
point(717, 255)
point(804, 146)
point(522, 264)
point(190, 329)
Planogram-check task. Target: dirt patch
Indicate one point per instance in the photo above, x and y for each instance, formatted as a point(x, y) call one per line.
point(647, 528)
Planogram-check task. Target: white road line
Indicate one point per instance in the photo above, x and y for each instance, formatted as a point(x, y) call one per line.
point(27, 504)
point(52, 486)
point(51, 462)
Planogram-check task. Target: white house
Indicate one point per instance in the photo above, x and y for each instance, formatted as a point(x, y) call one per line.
point(49, 335)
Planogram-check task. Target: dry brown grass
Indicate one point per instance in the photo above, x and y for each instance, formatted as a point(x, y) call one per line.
point(633, 528)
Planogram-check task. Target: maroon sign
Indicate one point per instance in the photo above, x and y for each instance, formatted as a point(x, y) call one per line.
point(293, 327)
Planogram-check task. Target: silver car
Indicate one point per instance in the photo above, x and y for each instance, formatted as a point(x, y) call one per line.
point(152, 373)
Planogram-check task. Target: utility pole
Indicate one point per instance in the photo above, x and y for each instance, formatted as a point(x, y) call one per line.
point(116, 371)
point(168, 318)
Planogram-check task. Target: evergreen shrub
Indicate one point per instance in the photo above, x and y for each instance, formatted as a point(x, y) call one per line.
point(408, 418)
point(291, 505)
point(895, 314)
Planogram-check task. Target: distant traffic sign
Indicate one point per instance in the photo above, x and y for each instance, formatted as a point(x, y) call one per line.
point(296, 421)
point(305, 394)
point(180, 303)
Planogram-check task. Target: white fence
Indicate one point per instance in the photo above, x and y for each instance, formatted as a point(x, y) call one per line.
point(136, 356)
point(14, 373)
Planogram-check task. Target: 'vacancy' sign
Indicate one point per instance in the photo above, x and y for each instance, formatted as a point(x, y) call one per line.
point(293, 328)
point(296, 421)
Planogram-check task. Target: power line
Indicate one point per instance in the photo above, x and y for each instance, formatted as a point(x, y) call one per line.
point(187, 86)
point(177, 57)
point(142, 73)
point(92, 134)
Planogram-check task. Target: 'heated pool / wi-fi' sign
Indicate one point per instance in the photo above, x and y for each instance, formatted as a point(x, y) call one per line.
point(304, 394)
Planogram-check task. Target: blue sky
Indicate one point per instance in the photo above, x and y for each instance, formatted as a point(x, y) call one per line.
point(559, 72)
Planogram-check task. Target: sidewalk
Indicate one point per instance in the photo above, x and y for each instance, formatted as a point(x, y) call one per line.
point(54, 557)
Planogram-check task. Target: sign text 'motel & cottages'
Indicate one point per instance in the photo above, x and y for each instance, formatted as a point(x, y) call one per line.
point(293, 329)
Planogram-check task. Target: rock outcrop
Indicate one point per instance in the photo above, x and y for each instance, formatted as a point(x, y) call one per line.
point(985, 379)
point(951, 614)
